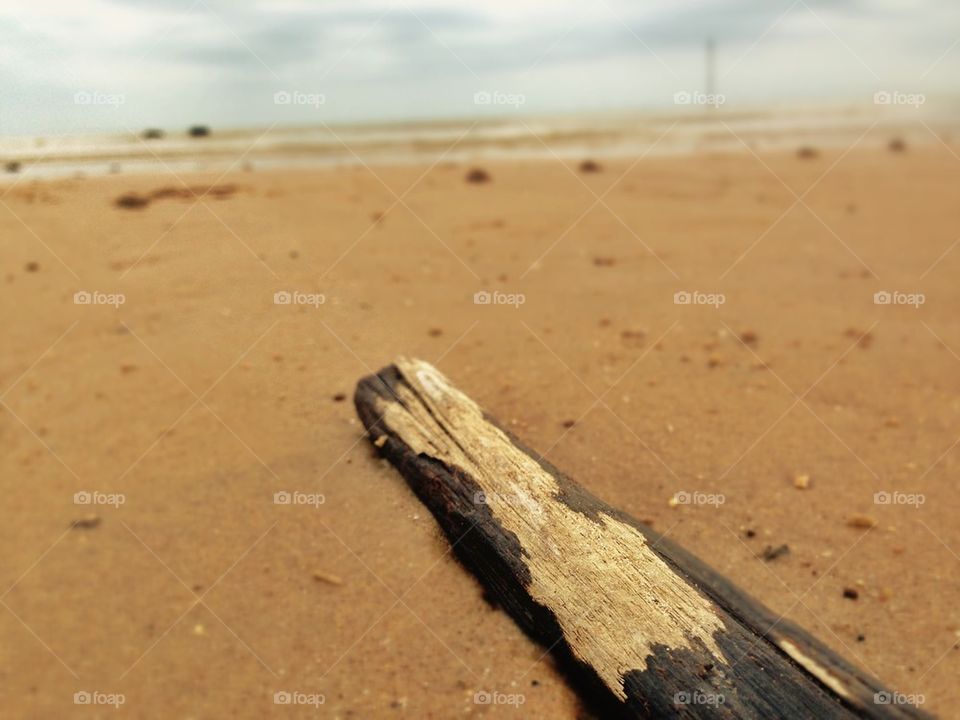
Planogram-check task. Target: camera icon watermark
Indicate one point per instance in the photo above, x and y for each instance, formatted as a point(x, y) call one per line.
point(296, 97)
point(895, 97)
point(295, 297)
point(885, 297)
point(283, 497)
point(86, 297)
point(684, 297)
point(484, 297)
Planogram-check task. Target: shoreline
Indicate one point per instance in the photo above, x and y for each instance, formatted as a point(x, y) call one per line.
point(607, 136)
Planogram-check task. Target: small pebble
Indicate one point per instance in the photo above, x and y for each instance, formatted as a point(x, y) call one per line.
point(864, 338)
point(863, 522)
point(633, 337)
point(32, 266)
point(851, 593)
point(327, 578)
point(131, 201)
point(801, 481)
point(478, 175)
point(87, 523)
point(772, 553)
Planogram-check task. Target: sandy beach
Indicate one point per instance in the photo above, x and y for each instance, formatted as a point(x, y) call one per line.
point(178, 393)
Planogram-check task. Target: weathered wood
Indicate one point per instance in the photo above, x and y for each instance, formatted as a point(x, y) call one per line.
point(644, 628)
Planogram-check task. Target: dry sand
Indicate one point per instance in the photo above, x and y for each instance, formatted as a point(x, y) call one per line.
point(199, 398)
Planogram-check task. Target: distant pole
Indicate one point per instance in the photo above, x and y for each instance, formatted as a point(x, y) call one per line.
point(711, 85)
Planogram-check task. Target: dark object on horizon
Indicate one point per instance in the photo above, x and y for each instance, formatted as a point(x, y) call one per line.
point(132, 201)
point(808, 153)
point(897, 145)
point(14, 166)
point(590, 166)
point(642, 627)
point(199, 131)
point(153, 134)
point(478, 175)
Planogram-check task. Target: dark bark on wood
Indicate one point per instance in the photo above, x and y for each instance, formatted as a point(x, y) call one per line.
point(653, 631)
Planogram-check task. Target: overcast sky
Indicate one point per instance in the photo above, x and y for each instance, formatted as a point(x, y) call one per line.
point(75, 65)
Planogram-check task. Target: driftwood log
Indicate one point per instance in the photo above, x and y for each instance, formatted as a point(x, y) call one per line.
point(642, 627)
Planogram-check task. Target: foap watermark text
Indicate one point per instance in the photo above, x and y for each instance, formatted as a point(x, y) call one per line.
point(86, 297)
point(698, 498)
point(684, 297)
point(492, 697)
point(496, 97)
point(295, 697)
point(696, 97)
point(496, 297)
point(85, 97)
point(297, 97)
point(283, 497)
point(885, 297)
point(86, 497)
point(895, 97)
point(295, 297)
point(899, 498)
point(94, 697)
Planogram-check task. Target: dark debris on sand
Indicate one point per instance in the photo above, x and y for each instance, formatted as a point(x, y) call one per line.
point(132, 201)
point(478, 175)
point(897, 145)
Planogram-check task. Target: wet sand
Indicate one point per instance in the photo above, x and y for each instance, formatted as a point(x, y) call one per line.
point(198, 398)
